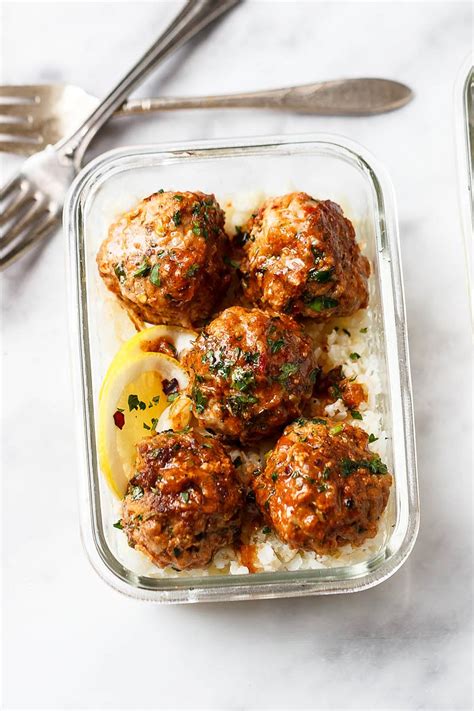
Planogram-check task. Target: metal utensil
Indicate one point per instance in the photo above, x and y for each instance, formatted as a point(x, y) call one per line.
point(34, 116)
point(31, 203)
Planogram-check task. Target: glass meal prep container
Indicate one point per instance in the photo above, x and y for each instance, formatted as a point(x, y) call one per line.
point(324, 166)
point(464, 120)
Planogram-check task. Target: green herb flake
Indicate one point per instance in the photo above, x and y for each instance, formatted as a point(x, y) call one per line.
point(274, 476)
point(118, 524)
point(356, 414)
point(196, 230)
point(192, 271)
point(336, 430)
point(231, 262)
point(354, 356)
point(374, 465)
point(120, 273)
point(156, 399)
point(143, 269)
point(136, 493)
point(155, 275)
point(238, 403)
point(372, 438)
point(185, 496)
point(177, 552)
point(320, 275)
point(242, 379)
point(200, 401)
point(275, 345)
point(177, 218)
point(172, 397)
point(178, 197)
point(318, 421)
point(266, 530)
point(286, 370)
point(134, 403)
point(251, 358)
point(321, 303)
point(363, 330)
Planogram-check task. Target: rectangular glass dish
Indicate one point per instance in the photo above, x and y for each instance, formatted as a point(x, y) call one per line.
point(326, 167)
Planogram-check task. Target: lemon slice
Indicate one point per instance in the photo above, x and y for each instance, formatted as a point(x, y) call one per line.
point(131, 402)
point(175, 340)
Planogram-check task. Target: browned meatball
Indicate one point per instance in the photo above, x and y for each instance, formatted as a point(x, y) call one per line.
point(300, 257)
point(321, 487)
point(250, 373)
point(184, 503)
point(165, 258)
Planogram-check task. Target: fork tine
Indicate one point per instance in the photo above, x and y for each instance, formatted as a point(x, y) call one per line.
point(18, 128)
point(22, 148)
point(17, 203)
point(25, 218)
point(24, 111)
point(34, 236)
point(15, 182)
point(23, 91)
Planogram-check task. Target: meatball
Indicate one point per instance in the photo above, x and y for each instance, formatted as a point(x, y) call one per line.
point(251, 372)
point(184, 503)
point(321, 487)
point(299, 256)
point(165, 259)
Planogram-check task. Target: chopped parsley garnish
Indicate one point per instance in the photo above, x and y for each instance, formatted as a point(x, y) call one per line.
point(216, 363)
point(156, 399)
point(172, 397)
point(326, 473)
point(185, 496)
point(320, 275)
point(136, 493)
point(274, 476)
point(374, 465)
point(313, 376)
point(372, 438)
point(177, 552)
point(178, 197)
point(120, 272)
point(318, 421)
point(242, 379)
point(199, 400)
point(134, 403)
point(238, 403)
point(321, 303)
point(335, 430)
point(118, 524)
point(286, 370)
point(143, 269)
point(196, 230)
point(354, 356)
point(363, 330)
point(322, 488)
point(275, 345)
point(161, 190)
point(356, 414)
point(231, 262)
point(146, 427)
point(177, 218)
point(251, 358)
point(155, 275)
point(317, 253)
point(266, 529)
point(192, 270)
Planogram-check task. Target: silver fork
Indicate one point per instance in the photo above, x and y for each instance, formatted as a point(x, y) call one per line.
point(34, 116)
point(31, 202)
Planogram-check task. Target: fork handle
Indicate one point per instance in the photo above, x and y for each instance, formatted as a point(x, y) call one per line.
point(342, 97)
point(194, 17)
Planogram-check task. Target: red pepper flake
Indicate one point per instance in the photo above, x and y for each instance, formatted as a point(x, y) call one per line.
point(119, 419)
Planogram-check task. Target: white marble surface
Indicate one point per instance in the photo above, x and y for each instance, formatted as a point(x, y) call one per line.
point(70, 641)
